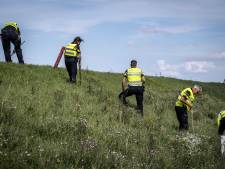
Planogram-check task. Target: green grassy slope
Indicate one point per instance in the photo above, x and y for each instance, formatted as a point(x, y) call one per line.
point(46, 122)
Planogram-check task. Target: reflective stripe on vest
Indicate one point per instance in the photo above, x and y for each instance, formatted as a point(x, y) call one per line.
point(220, 116)
point(71, 50)
point(134, 77)
point(190, 98)
point(13, 24)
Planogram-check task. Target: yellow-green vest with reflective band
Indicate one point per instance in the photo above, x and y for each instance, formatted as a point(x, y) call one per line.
point(220, 116)
point(190, 98)
point(13, 24)
point(71, 50)
point(134, 76)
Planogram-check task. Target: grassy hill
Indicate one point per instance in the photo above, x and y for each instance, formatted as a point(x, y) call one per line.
point(46, 122)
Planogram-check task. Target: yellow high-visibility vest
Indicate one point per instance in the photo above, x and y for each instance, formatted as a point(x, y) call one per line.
point(134, 76)
point(220, 116)
point(13, 24)
point(188, 94)
point(71, 50)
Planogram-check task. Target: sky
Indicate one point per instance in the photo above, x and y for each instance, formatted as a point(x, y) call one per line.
point(173, 38)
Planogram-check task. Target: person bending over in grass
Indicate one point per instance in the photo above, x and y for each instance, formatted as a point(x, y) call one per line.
point(184, 104)
point(10, 33)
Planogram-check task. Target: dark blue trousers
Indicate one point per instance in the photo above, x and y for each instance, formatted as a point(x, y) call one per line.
point(138, 91)
point(71, 66)
point(10, 35)
point(221, 126)
point(182, 117)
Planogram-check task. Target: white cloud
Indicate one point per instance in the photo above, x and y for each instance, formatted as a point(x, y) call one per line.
point(167, 30)
point(131, 43)
point(215, 57)
point(219, 56)
point(198, 66)
point(176, 70)
point(168, 69)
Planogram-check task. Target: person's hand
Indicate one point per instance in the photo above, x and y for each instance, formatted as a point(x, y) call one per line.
point(190, 108)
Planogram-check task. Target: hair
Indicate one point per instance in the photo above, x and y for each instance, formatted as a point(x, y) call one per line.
point(78, 38)
point(133, 63)
point(198, 88)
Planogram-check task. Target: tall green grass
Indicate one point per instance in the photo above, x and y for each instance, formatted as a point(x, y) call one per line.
point(46, 122)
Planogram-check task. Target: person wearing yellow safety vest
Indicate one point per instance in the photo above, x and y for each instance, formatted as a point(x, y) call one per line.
point(184, 104)
point(221, 122)
point(72, 56)
point(135, 79)
point(11, 33)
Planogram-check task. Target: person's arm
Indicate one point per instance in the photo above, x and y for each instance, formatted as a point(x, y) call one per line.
point(184, 100)
point(218, 120)
point(124, 80)
point(124, 83)
point(18, 31)
point(79, 60)
point(143, 79)
point(19, 35)
point(78, 54)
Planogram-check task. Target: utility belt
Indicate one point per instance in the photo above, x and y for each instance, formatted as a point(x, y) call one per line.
point(136, 87)
point(130, 86)
point(183, 106)
point(71, 59)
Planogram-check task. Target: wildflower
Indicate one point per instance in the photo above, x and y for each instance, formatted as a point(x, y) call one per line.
point(191, 141)
point(117, 132)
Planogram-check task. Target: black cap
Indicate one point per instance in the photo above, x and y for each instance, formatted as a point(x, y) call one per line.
point(78, 38)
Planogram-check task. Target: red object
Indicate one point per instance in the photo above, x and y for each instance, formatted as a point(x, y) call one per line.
point(59, 57)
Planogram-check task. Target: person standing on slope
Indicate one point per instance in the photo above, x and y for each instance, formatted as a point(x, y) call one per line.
point(11, 33)
point(135, 79)
point(184, 104)
point(72, 56)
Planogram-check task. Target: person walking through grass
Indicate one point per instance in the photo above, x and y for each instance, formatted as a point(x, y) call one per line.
point(135, 79)
point(184, 104)
point(72, 56)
